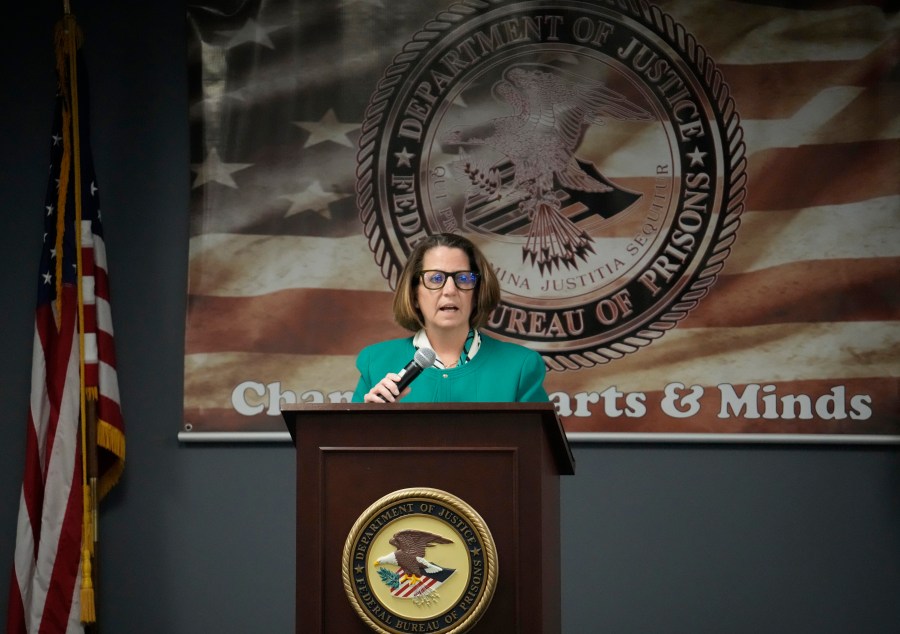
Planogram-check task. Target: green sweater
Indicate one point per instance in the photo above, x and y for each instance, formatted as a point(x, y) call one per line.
point(500, 372)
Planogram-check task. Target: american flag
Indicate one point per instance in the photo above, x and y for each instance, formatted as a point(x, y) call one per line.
point(75, 442)
point(419, 587)
point(284, 289)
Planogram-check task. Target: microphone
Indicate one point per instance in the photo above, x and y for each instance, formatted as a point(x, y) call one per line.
point(424, 358)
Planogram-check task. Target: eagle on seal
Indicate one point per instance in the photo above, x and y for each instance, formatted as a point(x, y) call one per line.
point(410, 553)
point(549, 116)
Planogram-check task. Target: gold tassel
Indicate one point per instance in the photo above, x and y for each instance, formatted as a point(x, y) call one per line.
point(87, 520)
point(88, 611)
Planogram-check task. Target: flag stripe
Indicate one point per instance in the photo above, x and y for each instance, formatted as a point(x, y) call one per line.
point(861, 229)
point(292, 320)
point(218, 261)
point(779, 179)
point(801, 292)
point(798, 82)
point(50, 550)
point(759, 34)
point(66, 561)
point(697, 355)
point(406, 589)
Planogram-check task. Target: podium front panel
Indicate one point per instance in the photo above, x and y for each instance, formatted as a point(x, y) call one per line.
point(497, 459)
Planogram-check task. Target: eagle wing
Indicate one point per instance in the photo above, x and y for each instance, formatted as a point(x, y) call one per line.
point(592, 102)
point(411, 545)
point(414, 542)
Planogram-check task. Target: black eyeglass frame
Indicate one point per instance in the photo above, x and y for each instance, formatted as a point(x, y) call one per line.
point(447, 275)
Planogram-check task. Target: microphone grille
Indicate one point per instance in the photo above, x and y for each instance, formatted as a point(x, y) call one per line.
point(425, 357)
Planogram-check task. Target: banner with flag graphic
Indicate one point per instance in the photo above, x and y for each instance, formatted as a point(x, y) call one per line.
point(692, 207)
point(75, 440)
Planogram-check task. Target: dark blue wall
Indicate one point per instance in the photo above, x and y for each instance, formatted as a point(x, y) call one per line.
point(656, 538)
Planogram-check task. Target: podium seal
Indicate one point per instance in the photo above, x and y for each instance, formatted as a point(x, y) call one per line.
point(420, 560)
point(592, 150)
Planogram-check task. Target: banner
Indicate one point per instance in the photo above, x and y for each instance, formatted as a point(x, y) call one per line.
point(692, 207)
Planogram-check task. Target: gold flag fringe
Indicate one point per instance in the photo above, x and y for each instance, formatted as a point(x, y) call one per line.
point(113, 440)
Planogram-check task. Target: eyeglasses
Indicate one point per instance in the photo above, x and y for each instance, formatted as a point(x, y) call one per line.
point(435, 280)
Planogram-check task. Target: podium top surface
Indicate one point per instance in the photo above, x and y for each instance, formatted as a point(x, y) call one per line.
point(295, 414)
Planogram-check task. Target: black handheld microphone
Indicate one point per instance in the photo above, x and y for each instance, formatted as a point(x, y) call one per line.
point(424, 358)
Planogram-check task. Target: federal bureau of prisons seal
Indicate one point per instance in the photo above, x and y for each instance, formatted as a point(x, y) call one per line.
point(591, 149)
point(420, 560)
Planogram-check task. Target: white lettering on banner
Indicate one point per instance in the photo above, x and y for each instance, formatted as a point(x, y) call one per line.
point(251, 398)
point(763, 402)
point(755, 401)
point(239, 397)
point(678, 406)
point(271, 397)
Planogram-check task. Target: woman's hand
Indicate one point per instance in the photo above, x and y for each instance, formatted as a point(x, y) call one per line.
point(385, 391)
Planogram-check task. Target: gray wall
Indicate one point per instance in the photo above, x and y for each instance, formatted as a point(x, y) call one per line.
point(656, 537)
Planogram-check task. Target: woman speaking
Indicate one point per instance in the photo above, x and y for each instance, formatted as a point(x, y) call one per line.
point(445, 294)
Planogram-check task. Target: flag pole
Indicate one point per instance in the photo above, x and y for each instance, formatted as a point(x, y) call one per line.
point(69, 40)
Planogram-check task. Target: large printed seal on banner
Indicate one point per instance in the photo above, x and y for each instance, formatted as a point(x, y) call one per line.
point(590, 149)
point(420, 560)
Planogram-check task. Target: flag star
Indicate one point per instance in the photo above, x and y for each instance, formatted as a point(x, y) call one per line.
point(313, 198)
point(328, 128)
point(49, 210)
point(94, 188)
point(252, 32)
point(52, 253)
point(213, 170)
point(697, 157)
point(403, 158)
point(56, 139)
point(47, 278)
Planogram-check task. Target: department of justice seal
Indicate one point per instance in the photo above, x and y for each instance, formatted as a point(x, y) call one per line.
point(420, 560)
point(591, 150)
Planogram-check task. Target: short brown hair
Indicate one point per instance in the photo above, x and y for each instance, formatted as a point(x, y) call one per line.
point(487, 292)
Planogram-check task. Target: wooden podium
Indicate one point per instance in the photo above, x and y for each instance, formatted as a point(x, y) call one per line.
point(502, 459)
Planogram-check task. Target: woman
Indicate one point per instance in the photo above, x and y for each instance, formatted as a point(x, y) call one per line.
point(445, 293)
